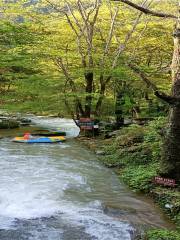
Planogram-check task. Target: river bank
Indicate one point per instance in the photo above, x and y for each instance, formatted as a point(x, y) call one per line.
point(134, 154)
point(112, 200)
point(61, 191)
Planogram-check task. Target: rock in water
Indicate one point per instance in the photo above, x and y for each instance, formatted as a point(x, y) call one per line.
point(8, 124)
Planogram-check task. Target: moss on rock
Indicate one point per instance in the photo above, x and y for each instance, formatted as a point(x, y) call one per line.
point(6, 124)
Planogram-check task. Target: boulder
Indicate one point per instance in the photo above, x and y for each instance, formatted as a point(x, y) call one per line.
point(24, 121)
point(8, 124)
point(100, 152)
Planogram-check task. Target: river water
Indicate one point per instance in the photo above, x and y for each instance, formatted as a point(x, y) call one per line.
point(60, 191)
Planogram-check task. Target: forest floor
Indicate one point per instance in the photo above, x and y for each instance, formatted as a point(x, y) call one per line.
point(133, 153)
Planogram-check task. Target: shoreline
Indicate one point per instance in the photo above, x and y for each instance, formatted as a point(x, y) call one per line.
point(97, 145)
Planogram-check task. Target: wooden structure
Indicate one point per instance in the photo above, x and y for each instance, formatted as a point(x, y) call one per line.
point(88, 126)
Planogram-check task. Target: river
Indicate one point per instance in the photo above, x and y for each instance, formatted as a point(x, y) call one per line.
point(61, 192)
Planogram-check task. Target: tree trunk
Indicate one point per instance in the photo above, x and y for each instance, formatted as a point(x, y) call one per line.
point(79, 106)
point(100, 99)
point(103, 84)
point(119, 110)
point(171, 153)
point(89, 89)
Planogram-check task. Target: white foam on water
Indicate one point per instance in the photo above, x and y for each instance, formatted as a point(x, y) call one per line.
point(31, 187)
point(61, 124)
point(106, 229)
point(98, 225)
point(39, 181)
point(35, 183)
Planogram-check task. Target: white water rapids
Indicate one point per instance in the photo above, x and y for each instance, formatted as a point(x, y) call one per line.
point(63, 124)
point(59, 191)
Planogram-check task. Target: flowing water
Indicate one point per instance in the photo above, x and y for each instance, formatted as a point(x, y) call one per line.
point(60, 191)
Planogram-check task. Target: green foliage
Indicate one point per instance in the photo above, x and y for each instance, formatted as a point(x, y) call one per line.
point(136, 152)
point(136, 145)
point(171, 197)
point(153, 137)
point(176, 218)
point(155, 129)
point(139, 178)
point(160, 234)
point(130, 135)
point(35, 36)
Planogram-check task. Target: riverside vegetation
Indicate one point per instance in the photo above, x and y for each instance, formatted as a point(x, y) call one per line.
point(102, 59)
point(135, 155)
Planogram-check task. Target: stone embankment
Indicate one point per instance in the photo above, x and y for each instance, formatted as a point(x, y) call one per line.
point(9, 121)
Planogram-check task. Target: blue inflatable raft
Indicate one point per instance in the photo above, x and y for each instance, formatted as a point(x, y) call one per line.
point(40, 139)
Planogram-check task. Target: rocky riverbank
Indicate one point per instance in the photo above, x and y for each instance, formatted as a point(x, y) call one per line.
point(134, 154)
point(8, 121)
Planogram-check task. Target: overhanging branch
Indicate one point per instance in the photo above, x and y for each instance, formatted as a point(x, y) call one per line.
point(143, 77)
point(146, 10)
point(174, 101)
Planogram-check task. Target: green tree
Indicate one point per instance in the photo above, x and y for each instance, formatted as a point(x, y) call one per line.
point(85, 46)
point(170, 158)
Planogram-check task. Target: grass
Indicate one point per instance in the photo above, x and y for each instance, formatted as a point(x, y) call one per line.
point(136, 154)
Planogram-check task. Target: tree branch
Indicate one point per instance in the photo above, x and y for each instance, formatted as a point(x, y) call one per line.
point(110, 35)
point(74, 17)
point(146, 10)
point(122, 46)
point(60, 64)
point(143, 77)
point(175, 101)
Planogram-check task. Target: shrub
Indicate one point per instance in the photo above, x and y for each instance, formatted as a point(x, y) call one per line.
point(140, 177)
point(159, 234)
